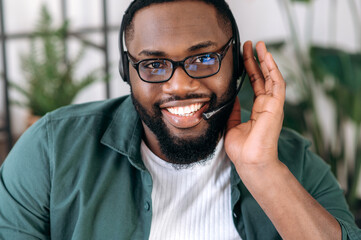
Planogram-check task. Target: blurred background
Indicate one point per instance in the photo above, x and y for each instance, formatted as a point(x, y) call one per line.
point(59, 52)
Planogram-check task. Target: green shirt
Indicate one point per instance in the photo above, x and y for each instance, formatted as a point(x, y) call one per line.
point(78, 174)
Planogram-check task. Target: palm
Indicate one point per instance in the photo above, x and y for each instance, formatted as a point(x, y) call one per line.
point(255, 142)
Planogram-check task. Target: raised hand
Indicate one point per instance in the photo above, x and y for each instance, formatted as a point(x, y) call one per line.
point(253, 148)
point(254, 143)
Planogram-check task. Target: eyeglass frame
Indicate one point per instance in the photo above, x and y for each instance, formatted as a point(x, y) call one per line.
point(220, 54)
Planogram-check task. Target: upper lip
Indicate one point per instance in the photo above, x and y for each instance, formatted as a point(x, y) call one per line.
point(182, 103)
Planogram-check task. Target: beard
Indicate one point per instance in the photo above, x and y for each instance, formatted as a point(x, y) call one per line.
point(185, 152)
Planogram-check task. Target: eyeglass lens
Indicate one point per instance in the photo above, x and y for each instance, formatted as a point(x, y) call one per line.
point(195, 66)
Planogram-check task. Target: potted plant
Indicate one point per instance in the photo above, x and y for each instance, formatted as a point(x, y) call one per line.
point(335, 74)
point(49, 73)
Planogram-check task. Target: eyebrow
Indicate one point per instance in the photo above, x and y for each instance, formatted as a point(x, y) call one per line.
point(201, 46)
point(150, 53)
point(193, 48)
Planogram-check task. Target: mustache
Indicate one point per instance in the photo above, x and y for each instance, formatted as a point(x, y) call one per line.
point(188, 96)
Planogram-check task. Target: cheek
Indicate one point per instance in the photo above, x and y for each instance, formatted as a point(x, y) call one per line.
point(223, 79)
point(145, 93)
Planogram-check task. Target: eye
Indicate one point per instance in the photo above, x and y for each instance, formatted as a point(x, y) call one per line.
point(155, 65)
point(207, 59)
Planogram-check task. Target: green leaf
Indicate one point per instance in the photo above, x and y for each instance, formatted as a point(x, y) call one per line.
point(19, 89)
point(50, 80)
point(344, 67)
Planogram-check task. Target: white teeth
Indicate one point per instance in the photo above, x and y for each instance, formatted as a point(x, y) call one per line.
point(185, 111)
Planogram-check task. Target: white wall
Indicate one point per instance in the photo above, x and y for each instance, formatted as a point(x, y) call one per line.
point(257, 20)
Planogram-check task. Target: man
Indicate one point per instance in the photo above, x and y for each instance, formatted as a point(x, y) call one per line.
point(151, 166)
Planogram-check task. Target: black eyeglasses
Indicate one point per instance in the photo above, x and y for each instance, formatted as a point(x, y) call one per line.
point(158, 70)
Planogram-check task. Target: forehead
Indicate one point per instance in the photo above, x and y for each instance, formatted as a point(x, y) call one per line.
point(175, 25)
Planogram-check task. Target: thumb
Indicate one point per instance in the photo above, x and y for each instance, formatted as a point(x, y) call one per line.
point(235, 117)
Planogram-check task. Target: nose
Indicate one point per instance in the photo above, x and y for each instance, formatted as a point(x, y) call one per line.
point(180, 84)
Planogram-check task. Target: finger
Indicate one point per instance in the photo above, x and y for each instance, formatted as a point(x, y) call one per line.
point(278, 83)
point(262, 52)
point(235, 117)
point(253, 70)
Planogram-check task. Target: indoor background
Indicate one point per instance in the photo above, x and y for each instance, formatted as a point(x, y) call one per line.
point(317, 45)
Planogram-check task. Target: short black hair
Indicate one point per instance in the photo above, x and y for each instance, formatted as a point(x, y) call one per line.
point(223, 10)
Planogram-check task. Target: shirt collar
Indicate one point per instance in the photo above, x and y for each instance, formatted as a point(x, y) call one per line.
point(124, 133)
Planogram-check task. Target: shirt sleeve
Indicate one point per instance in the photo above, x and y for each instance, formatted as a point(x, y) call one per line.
point(323, 186)
point(25, 187)
point(349, 231)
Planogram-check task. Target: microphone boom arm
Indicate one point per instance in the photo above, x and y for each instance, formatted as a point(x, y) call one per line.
point(208, 115)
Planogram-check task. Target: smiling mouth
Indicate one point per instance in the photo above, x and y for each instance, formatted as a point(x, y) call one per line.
point(186, 111)
point(184, 114)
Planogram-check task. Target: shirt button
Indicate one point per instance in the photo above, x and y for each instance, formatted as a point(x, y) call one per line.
point(146, 206)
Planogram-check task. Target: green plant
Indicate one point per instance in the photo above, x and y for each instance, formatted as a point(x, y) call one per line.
point(49, 73)
point(344, 71)
point(336, 74)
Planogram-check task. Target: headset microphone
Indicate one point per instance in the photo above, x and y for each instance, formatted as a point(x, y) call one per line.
point(208, 115)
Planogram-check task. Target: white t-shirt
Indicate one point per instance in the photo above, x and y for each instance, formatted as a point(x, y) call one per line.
point(193, 203)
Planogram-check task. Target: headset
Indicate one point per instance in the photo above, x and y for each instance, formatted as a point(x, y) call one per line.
point(238, 65)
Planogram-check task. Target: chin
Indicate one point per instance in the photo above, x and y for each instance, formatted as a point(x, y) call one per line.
point(184, 146)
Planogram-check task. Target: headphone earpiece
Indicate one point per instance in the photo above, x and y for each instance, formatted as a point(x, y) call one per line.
point(241, 67)
point(120, 68)
point(124, 66)
point(238, 65)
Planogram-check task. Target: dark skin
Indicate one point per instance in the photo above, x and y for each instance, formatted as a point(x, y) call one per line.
point(161, 33)
point(179, 29)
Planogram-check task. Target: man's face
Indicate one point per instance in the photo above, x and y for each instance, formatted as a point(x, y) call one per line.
point(172, 111)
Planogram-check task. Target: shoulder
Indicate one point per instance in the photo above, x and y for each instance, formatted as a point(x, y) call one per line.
point(67, 129)
point(105, 108)
point(76, 117)
point(292, 146)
